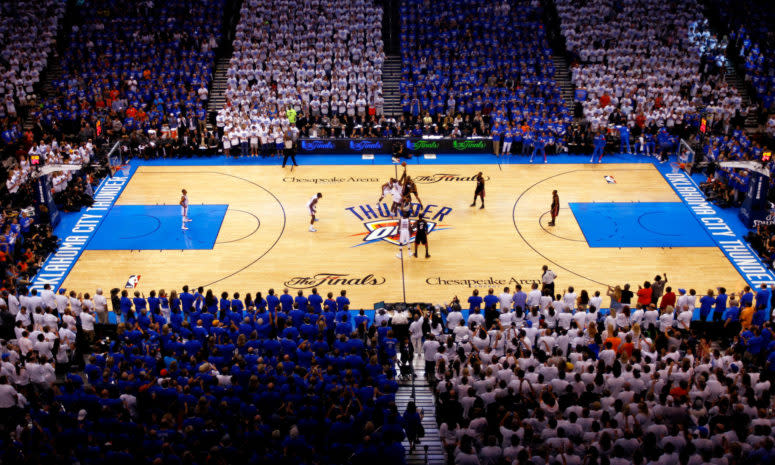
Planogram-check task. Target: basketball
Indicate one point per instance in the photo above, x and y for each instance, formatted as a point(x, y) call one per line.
point(403, 163)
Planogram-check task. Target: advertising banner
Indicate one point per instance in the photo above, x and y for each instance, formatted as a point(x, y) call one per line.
point(385, 146)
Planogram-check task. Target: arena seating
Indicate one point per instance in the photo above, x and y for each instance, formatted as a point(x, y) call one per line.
point(487, 62)
point(631, 387)
point(135, 65)
point(323, 60)
point(750, 24)
point(190, 378)
point(534, 377)
point(28, 32)
point(195, 379)
point(645, 61)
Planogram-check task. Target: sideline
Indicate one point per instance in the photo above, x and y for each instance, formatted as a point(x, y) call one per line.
point(728, 233)
point(75, 238)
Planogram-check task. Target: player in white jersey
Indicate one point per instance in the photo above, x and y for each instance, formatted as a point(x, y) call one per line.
point(184, 210)
point(404, 226)
point(313, 206)
point(388, 190)
point(396, 192)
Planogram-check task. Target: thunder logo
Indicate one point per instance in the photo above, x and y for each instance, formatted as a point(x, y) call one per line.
point(381, 227)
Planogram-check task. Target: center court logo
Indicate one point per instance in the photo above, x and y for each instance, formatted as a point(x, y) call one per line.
point(381, 226)
point(333, 279)
point(445, 177)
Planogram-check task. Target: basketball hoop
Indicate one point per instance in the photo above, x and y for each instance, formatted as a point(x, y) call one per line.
point(677, 166)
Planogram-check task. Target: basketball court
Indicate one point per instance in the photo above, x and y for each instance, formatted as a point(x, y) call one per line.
point(619, 223)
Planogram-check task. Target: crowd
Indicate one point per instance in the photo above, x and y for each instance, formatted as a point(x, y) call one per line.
point(651, 62)
point(543, 378)
point(480, 68)
point(322, 60)
point(752, 40)
point(538, 376)
point(193, 378)
point(27, 35)
point(134, 65)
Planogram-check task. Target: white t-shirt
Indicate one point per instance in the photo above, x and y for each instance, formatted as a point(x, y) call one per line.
point(87, 321)
point(429, 349)
point(506, 300)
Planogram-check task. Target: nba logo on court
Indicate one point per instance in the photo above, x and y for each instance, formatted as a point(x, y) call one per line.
point(132, 281)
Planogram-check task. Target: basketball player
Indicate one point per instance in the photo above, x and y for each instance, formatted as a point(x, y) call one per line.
point(313, 206)
point(398, 198)
point(555, 208)
point(403, 234)
point(387, 191)
point(405, 207)
point(184, 210)
point(421, 235)
point(479, 192)
point(409, 187)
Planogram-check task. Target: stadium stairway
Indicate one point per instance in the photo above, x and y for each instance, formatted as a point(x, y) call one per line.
point(416, 388)
point(734, 80)
point(45, 88)
point(218, 87)
point(391, 77)
point(563, 78)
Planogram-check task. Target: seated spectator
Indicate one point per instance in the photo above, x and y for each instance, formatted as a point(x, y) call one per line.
point(28, 31)
point(135, 67)
point(305, 65)
point(480, 70)
point(665, 86)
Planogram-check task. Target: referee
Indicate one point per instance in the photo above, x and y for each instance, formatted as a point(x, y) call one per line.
point(289, 151)
point(421, 235)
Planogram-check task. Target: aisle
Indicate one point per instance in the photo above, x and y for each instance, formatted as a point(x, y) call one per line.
point(423, 398)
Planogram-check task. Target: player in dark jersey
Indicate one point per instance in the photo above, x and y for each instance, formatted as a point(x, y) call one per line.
point(409, 187)
point(555, 208)
point(479, 192)
point(421, 235)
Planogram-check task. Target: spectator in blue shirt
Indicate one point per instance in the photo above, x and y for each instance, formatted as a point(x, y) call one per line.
point(721, 304)
point(286, 301)
point(301, 301)
point(316, 301)
point(272, 301)
point(342, 302)
point(475, 301)
point(490, 299)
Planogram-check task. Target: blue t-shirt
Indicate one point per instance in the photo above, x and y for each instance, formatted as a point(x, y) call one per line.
point(316, 301)
point(287, 302)
point(474, 301)
point(489, 300)
point(721, 303)
point(706, 304)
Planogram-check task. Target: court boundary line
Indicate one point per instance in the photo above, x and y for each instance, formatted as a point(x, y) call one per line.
point(258, 225)
point(282, 208)
point(58, 284)
point(158, 225)
point(555, 235)
point(716, 209)
point(514, 218)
